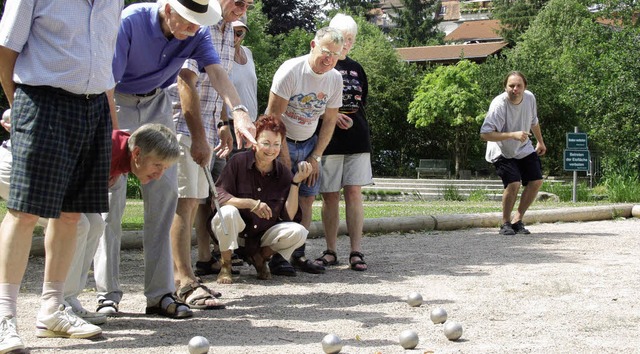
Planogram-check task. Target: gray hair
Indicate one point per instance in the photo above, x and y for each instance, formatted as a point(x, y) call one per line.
point(344, 23)
point(334, 35)
point(155, 139)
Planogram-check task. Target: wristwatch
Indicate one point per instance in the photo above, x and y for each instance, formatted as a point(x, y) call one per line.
point(240, 107)
point(222, 123)
point(316, 157)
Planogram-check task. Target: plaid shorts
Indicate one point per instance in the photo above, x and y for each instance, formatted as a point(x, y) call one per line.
point(61, 146)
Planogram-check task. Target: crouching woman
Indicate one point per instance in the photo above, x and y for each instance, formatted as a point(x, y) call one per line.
point(259, 199)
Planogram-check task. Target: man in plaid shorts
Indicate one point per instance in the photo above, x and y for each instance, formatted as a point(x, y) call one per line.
point(55, 65)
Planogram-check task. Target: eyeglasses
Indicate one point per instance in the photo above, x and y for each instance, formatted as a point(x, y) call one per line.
point(240, 33)
point(327, 53)
point(241, 3)
point(266, 145)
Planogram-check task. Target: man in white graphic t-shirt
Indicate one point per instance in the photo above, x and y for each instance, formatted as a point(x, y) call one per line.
point(304, 89)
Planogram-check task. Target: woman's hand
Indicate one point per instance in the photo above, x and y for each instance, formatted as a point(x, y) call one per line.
point(304, 170)
point(262, 210)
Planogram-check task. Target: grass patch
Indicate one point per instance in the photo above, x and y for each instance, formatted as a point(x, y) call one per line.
point(451, 193)
point(478, 195)
point(134, 211)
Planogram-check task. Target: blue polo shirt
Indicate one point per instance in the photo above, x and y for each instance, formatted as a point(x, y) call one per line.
point(145, 59)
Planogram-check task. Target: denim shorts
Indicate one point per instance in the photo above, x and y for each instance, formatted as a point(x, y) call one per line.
point(300, 152)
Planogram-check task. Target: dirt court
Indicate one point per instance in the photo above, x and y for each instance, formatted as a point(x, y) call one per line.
point(567, 288)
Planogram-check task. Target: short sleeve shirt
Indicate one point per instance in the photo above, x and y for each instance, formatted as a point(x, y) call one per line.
point(504, 116)
point(309, 95)
point(145, 59)
point(63, 44)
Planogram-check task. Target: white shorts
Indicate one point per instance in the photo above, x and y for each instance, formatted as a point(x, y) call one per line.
point(345, 170)
point(192, 182)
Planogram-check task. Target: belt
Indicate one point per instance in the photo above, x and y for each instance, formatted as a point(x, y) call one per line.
point(150, 93)
point(59, 91)
point(299, 141)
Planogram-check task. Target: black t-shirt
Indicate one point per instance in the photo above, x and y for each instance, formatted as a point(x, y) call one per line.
point(356, 139)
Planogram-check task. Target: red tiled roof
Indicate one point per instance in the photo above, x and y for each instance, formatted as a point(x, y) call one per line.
point(450, 52)
point(482, 30)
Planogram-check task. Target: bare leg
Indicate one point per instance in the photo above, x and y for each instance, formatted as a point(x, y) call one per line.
point(509, 197)
point(202, 235)
point(354, 215)
point(331, 219)
point(181, 241)
point(306, 205)
point(60, 246)
point(224, 277)
point(526, 199)
point(16, 233)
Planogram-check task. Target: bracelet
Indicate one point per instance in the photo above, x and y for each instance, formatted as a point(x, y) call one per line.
point(297, 184)
point(255, 207)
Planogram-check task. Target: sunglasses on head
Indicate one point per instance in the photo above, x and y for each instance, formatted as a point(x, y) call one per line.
point(241, 3)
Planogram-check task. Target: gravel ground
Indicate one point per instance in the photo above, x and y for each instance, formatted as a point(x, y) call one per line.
point(567, 288)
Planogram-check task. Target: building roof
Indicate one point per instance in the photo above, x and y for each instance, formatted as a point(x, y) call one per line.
point(451, 9)
point(451, 53)
point(482, 30)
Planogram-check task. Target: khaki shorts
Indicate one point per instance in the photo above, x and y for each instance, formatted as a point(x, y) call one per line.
point(345, 170)
point(192, 182)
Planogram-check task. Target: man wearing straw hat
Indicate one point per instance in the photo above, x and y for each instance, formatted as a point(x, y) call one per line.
point(153, 42)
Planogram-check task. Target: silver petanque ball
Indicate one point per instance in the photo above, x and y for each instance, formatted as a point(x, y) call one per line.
point(414, 299)
point(331, 344)
point(452, 330)
point(438, 315)
point(198, 345)
point(6, 116)
point(408, 339)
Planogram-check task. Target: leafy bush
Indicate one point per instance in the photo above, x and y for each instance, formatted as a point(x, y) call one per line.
point(452, 193)
point(564, 191)
point(134, 189)
point(478, 195)
point(623, 187)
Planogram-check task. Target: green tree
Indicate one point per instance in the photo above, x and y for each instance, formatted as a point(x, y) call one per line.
point(452, 97)
point(357, 7)
point(397, 145)
point(515, 16)
point(285, 15)
point(415, 24)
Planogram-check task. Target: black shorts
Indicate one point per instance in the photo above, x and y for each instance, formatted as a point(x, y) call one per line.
point(528, 168)
point(61, 146)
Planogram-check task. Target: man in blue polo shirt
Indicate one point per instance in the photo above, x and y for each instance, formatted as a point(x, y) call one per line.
point(55, 61)
point(153, 42)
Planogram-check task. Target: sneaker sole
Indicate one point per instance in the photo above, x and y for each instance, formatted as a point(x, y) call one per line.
point(45, 333)
point(13, 348)
point(95, 320)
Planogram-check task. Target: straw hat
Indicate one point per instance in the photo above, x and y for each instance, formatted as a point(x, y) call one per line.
point(201, 12)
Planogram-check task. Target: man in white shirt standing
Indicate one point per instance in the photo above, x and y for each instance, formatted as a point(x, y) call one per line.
point(507, 128)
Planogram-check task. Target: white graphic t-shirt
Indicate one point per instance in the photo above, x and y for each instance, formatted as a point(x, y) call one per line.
point(309, 94)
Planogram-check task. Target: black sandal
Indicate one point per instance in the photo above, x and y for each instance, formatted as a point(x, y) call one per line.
point(325, 262)
point(354, 264)
point(175, 310)
point(206, 268)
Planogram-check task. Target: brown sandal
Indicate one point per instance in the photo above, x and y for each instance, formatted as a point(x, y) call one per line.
point(359, 265)
point(326, 262)
point(196, 296)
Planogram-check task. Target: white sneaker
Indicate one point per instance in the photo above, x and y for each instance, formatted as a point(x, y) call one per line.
point(64, 323)
point(91, 317)
point(9, 339)
point(80, 311)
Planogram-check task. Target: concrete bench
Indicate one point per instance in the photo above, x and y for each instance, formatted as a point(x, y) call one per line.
point(433, 168)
